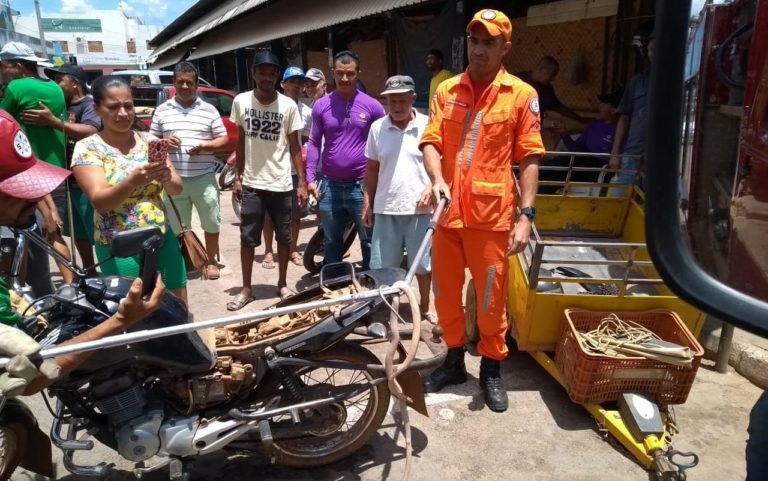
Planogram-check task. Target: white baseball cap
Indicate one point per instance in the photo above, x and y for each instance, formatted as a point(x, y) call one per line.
point(315, 74)
point(19, 51)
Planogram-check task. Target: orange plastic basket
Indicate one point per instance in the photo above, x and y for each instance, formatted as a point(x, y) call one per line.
point(595, 378)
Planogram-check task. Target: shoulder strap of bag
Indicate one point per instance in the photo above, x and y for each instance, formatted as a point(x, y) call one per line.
point(184, 228)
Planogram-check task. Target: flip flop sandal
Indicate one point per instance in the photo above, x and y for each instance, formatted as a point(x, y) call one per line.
point(429, 316)
point(297, 259)
point(284, 293)
point(212, 272)
point(240, 301)
point(268, 263)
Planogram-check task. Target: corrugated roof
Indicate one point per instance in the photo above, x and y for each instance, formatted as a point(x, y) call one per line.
point(225, 12)
point(290, 17)
point(171, 56)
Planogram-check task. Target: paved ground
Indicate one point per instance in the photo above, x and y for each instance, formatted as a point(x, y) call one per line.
point(542, 437)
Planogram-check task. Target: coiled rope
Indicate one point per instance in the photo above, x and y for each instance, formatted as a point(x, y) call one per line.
point(619, 338)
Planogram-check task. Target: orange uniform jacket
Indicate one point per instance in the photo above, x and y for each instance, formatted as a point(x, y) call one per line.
point(479, 142)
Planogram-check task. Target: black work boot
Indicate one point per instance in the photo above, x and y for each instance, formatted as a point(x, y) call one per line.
point(492, 385)
point(452, 371)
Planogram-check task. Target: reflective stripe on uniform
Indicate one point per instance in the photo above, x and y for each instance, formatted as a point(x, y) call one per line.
point(460, 159)
point(488, 288)
point(475, 135)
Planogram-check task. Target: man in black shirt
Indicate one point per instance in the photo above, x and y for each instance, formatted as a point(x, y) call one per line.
point(83, 122)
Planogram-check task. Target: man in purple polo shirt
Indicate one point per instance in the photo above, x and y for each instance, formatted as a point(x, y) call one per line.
point(340, 123)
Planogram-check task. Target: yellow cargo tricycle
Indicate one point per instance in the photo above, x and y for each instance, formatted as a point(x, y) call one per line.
point(587, 260)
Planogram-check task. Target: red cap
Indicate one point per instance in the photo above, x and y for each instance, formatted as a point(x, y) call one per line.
point(21, 175)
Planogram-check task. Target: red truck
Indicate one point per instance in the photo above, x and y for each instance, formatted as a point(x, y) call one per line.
point(726, 144)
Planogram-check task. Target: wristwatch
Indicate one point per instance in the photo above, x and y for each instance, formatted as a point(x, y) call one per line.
point(529, 212)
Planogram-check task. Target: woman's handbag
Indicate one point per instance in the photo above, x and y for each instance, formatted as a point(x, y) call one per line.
point(195, 255)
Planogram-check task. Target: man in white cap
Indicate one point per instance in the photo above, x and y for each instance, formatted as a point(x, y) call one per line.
point(24, 180)
point(314, 85)
point(397, 188)
point(27, 91)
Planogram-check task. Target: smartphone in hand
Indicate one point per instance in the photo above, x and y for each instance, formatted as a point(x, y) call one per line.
point(158, 151)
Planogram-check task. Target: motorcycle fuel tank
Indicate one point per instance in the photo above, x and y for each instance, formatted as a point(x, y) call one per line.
point(182, 352)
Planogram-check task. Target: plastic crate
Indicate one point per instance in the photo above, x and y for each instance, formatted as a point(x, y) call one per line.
point(595, 378)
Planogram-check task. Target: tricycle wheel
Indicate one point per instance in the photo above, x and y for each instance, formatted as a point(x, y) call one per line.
point(471, 332)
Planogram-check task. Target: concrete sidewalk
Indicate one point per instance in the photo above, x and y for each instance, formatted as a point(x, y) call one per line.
point(749, 353)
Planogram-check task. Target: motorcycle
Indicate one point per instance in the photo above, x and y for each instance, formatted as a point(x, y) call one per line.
point(228, 173)
point(303, 387)
point(314, 252)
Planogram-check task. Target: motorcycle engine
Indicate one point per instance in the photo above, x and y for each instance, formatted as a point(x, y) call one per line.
point(136, 423)
point(226, 381)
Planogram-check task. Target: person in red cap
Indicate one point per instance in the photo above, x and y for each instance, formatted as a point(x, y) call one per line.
point(24, 180)
point(482, 122)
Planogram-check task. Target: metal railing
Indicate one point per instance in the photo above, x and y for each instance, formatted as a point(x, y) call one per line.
point(535, 254)
point(569, 186)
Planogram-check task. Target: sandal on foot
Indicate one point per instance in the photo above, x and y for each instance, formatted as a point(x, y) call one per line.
point(268, 262)
point(284, 293)
point(240, 301)
point(297, 259)
point(212, 272)
point(429, 316)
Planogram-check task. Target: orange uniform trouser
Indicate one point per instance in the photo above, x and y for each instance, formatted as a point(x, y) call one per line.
point(485, 253)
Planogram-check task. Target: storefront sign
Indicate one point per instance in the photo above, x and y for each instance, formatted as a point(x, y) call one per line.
point(71, 24)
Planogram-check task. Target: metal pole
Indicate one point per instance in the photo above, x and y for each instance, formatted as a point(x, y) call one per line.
point(40, 28)
point(425, 242)
point(724, 348)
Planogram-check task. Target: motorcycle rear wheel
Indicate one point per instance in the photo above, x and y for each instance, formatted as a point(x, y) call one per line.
point(363, 414)
point(13, 438)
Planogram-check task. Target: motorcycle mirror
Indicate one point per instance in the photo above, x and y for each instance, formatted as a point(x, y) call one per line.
point(130, 243)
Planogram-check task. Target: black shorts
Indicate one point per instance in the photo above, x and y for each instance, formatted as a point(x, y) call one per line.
point(255, 205)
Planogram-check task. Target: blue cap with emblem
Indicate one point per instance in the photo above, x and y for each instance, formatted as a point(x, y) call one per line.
point(292, 72)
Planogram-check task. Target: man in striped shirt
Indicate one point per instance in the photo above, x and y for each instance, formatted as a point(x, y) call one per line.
point(195, 132)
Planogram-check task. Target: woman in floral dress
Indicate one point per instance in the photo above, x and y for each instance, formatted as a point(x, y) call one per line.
point(126, 190)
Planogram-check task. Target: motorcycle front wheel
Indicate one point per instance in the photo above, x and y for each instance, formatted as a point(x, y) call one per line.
point(355, 420)
point(314, 252)
point(13, 438)
point(227, 176)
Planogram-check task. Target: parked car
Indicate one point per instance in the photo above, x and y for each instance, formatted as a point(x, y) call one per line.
point(153, 77)
point(146, 98)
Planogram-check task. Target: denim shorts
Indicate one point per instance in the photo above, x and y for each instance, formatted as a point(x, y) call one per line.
point(392, 234)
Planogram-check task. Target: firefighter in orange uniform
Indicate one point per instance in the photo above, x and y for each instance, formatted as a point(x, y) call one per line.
point(482, 123)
